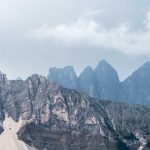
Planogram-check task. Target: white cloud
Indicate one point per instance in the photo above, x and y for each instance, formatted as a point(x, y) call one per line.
point(88, 31)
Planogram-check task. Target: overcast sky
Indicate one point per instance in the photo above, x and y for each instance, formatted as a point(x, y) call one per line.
point(38, 34)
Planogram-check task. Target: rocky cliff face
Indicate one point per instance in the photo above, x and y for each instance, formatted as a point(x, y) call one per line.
point(108, 85)
point(64, 76)
point(58, 118)
point(87, 82)
point(3, 87)
point(102, 82)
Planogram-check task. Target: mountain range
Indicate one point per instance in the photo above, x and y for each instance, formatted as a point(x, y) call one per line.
point(38, 114)
point(103, 82)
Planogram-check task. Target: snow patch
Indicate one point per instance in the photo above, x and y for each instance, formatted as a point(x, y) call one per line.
point(9, 139)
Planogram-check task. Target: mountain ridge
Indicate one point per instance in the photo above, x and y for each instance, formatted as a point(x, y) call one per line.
point(103, 82)
point(58, 118)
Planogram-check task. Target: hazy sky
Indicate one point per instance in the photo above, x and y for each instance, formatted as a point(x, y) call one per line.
point(38, 34)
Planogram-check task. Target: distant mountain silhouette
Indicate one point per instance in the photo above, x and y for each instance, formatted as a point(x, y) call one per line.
point(137, 86)
point(65, 76)
point(103, 82)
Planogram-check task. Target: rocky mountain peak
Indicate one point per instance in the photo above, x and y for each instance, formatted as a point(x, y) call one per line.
point(97, 83)
point(104, 62)
point(87, 82)
point(69, 69)
point(88, 70)
point(65, 76)
point(103, 82)
point(107, 81)
point(49, 116)
point(136, 87)
point(144, 69)
point(3, 78)
point(104, 66)
point(36, 77)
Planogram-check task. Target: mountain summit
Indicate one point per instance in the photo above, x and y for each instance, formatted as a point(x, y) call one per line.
point(101, 82)
point(108, 85)
point(87, 82)
point(65, 76)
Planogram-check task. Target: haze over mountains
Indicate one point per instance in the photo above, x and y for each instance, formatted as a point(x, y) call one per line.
point(103, 82)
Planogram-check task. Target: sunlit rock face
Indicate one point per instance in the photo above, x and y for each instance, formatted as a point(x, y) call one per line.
point(58, 118)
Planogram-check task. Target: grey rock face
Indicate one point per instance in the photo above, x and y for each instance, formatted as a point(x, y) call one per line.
point(137, 86)
point(87, 82)
point(62, 119)
point(108, 85)
point(3, 87)
point(103, 83)
point(66, 77)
